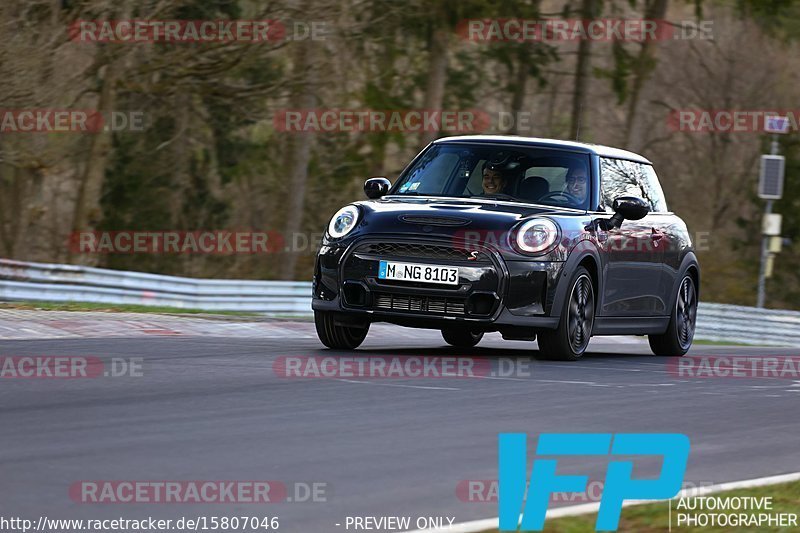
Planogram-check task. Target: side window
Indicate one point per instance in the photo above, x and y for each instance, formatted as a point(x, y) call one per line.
point(627, 178)
point(652, 189)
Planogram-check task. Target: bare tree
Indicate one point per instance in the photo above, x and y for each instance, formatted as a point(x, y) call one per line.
point(643, 65)
point(590, 9)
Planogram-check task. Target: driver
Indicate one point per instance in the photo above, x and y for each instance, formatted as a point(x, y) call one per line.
point(578, 183)
point(497, 172)
point(494, 182)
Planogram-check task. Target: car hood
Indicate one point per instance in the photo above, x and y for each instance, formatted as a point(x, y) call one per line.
point(447, 216)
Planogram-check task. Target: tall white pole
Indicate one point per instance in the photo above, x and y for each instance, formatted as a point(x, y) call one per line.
point(765, 240)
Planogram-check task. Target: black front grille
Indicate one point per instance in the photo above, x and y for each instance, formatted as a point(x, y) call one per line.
point(424, 304)
point(425, 251)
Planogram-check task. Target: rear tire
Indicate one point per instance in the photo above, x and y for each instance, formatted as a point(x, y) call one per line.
point(569, 340)
point(335, 336)
point(461, 337)
point(677, 340)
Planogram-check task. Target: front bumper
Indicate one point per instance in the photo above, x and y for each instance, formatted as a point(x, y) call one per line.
point(491, 292)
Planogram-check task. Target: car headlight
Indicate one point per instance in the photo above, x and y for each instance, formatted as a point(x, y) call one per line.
point(535, 235)
point(343, 221)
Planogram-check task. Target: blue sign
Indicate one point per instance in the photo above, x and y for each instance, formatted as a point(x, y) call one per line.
point(619, 485)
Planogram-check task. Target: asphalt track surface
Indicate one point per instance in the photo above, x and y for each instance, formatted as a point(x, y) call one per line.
point(209, 406)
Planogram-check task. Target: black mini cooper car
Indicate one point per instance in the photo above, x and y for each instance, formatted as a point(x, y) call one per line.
point(535, 238)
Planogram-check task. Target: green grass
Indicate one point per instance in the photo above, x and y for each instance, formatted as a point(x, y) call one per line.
point(114, 308)
point(722, 343)
point(654, 517)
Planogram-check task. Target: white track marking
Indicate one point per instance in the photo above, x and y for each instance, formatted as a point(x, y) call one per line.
point(394, 385)
point(476, 526)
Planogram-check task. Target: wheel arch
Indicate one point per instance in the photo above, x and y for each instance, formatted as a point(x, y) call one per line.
point(689, 265)
point(588, 262)
point(589, 258)
point(694, 271)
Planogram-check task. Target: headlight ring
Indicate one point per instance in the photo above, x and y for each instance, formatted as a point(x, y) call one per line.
point(535, 236)
point(343, 222)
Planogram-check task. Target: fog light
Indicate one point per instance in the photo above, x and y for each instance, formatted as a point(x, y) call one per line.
point(481, 304)
point(355, 294)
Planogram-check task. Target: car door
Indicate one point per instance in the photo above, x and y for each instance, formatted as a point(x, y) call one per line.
point(666, 232)
point(634, 252)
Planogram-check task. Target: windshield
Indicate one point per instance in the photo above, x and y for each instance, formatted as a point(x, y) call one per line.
point(531, 175)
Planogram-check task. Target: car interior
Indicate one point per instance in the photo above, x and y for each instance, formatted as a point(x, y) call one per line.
point(541, 176)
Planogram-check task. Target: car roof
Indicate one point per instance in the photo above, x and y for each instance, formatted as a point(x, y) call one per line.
point(600, 150)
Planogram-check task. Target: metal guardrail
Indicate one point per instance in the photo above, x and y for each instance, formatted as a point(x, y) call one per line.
point(749, 325)
point(69, 283)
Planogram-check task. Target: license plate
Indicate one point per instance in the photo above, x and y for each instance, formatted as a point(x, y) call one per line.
point(418, 272)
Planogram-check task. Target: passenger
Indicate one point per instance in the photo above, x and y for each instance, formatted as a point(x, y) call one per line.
point(578, 183)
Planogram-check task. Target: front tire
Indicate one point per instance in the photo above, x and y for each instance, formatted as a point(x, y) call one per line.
point(335, 336)
point(461, 337)
point(569, 340)
point(677, 340)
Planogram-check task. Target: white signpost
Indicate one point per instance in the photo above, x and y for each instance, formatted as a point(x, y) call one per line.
point(771, 225)
point(770, 188)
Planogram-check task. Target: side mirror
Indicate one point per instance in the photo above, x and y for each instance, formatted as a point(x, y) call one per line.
point(628, 208)
point(376, 187)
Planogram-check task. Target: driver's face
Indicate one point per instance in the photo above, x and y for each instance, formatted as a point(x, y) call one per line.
point(578, 184)
point(493, 182)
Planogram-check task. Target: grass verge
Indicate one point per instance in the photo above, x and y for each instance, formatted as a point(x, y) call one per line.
point(114, 308)
point(654, 517)
point(722, 343)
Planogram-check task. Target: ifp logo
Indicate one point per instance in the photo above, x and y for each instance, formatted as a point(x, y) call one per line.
point(619, 484)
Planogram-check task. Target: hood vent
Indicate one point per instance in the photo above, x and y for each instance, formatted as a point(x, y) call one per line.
point(427, 220)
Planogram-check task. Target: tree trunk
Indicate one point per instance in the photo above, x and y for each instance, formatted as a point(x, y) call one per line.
point(88, 213)
point(642, 67)
point(437, 76)
point(589, 10)
point(298, 156)
point(526, 57)
point(518, 94)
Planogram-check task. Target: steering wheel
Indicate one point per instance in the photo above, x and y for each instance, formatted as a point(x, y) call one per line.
point(571, 198)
